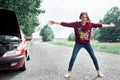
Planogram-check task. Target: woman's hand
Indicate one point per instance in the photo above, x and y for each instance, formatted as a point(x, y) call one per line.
point(109, 25)
point(112, 24)
point(53, 22)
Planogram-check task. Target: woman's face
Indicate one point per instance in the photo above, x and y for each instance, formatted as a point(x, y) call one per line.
point(84, 18)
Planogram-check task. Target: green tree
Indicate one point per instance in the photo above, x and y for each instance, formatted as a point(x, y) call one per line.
point(26, 11)
point(71, 37)
point(47, 33)
point(109, 34)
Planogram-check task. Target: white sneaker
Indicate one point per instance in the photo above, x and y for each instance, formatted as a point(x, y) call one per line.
point(67, 75)
point(100, 74)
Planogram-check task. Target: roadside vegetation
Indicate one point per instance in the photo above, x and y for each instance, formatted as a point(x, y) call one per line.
point(113, 48)
point(27, 12)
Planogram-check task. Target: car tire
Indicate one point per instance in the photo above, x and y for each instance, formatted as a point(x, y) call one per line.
point(23, 68)
point(28, 58)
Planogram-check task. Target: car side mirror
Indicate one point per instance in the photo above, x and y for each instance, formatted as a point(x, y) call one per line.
point(28, 38)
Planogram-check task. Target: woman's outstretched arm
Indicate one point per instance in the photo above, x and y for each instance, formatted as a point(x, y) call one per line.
point(108, 25)
point(54, 22)
point(70, 24)
point(94, 25)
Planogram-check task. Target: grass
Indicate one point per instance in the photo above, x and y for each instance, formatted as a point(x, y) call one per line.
point(107, 47)
point(62, 42)
point(113, 48)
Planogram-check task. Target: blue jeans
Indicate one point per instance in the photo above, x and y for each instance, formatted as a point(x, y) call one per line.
point(89, 49)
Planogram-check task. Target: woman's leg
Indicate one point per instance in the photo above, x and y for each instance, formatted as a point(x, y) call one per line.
point(76, 49)
point(91, 53)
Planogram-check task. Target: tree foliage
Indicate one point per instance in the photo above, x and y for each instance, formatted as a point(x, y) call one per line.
point(71, 37)
point(47, 33)
point(26, 11)
point(109, 34)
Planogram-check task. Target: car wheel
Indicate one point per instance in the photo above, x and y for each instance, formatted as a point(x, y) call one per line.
point(28, 58)
point(23, 68)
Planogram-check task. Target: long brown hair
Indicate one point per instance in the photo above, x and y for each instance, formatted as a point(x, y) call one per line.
point(84, 13)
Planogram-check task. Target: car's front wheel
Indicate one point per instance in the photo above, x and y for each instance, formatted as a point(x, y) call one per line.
point(23, 68)
point(28, 58)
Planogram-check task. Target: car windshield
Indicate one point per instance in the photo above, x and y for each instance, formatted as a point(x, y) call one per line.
point(8, 38)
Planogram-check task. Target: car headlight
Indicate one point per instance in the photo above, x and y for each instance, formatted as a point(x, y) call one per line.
point(11, 53)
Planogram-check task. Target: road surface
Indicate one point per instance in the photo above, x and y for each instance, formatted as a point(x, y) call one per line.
point(50, 62)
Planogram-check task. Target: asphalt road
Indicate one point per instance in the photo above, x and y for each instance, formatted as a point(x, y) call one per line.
point(50, 62)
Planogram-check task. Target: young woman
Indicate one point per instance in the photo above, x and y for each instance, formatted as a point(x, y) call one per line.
point(82, 30)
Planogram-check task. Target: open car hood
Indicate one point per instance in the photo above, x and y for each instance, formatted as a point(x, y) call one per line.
point(8, 23)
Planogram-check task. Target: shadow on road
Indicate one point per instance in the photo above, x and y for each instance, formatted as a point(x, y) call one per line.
point(67, 78)
point(9, 74)
point(96, 78)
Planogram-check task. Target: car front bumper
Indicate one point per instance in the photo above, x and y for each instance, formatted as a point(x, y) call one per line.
point(11, 62)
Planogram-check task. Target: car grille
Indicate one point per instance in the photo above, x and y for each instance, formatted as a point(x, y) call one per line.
point(5, 65)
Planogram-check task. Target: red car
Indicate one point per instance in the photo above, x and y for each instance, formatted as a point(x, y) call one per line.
point(13, 43)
